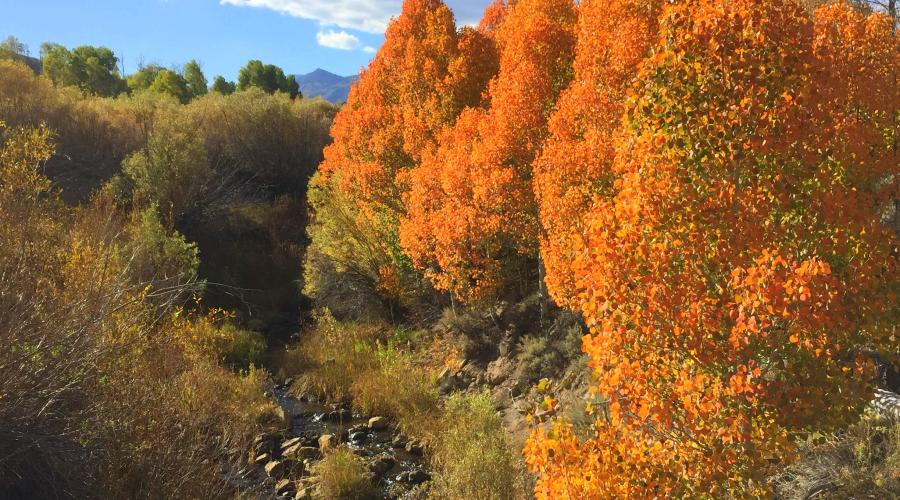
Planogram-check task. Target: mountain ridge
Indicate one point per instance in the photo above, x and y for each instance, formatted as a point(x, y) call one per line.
point(322, 83)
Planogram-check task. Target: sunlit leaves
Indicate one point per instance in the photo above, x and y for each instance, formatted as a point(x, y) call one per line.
point(726, 249)
point(471, 219)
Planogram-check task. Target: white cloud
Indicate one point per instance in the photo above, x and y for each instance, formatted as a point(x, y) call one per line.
point(371, 16)
point(369, 49)
point(340, 40)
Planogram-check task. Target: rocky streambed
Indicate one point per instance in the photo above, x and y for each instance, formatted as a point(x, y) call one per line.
point(281, 462)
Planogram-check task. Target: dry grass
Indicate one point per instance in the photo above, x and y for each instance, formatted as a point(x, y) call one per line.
point(863, 462)
point(342, 475)
point(369, 365)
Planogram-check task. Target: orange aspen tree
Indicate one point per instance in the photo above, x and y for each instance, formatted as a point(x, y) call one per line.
point(471, 220)
point(740, 256)
point(614, 36)
point(418, 82)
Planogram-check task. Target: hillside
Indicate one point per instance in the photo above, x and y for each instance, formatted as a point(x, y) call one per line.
point(321, 83)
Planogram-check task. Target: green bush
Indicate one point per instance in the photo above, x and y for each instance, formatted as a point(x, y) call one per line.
point(172, 172)
point(159, 256)
point(537, 359)
point(245, 348)
point(471, 455)
point(474, 335)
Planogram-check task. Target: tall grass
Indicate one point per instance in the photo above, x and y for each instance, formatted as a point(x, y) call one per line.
point(472, 456)
point(363, 363)
point(342, 475)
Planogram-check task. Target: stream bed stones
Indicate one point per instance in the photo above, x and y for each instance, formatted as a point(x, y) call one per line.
point(395, 464)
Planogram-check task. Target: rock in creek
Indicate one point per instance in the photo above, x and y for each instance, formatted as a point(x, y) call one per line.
point(399, 441)
point(414, 477)
point(378, 423)
point(300, 452)
point(290, 442)
point(414, 448)
point(381, 465)
point(262, 459)
point(326, 442)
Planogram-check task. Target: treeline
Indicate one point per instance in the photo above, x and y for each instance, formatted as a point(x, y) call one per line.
point(95, 71)
point(709, 184)
point(227, 172)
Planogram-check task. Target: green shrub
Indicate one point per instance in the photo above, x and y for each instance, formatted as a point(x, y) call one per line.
point(474, 335)
point(342, 475)
point(245, 348)
point(537, 359)
point(172, 172)
point(471, 455)
point(566, 332)
point(159, 256)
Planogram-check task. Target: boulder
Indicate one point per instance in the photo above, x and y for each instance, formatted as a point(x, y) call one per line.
point(304, 493)
point(399, 441)
point(264, 447)
point(276, 469)
point(265, 443)
point(299, 452)
point(499, 371)
point(505, 347)
point(285, 419)
point(417, 476)
point(414, 448)
point(414, 477)
point(378, 423)
point(358, 428)
point(266, 436)
point(284, 486)
point(290, 443)
point(381, 465)
point(358, 437)
point(262, 459)
point(338, 415)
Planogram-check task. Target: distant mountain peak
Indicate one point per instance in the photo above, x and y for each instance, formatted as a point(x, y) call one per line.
point(325, 84)
point(320, 72)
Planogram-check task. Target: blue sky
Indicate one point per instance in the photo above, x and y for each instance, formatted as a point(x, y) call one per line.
point(298, 35)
